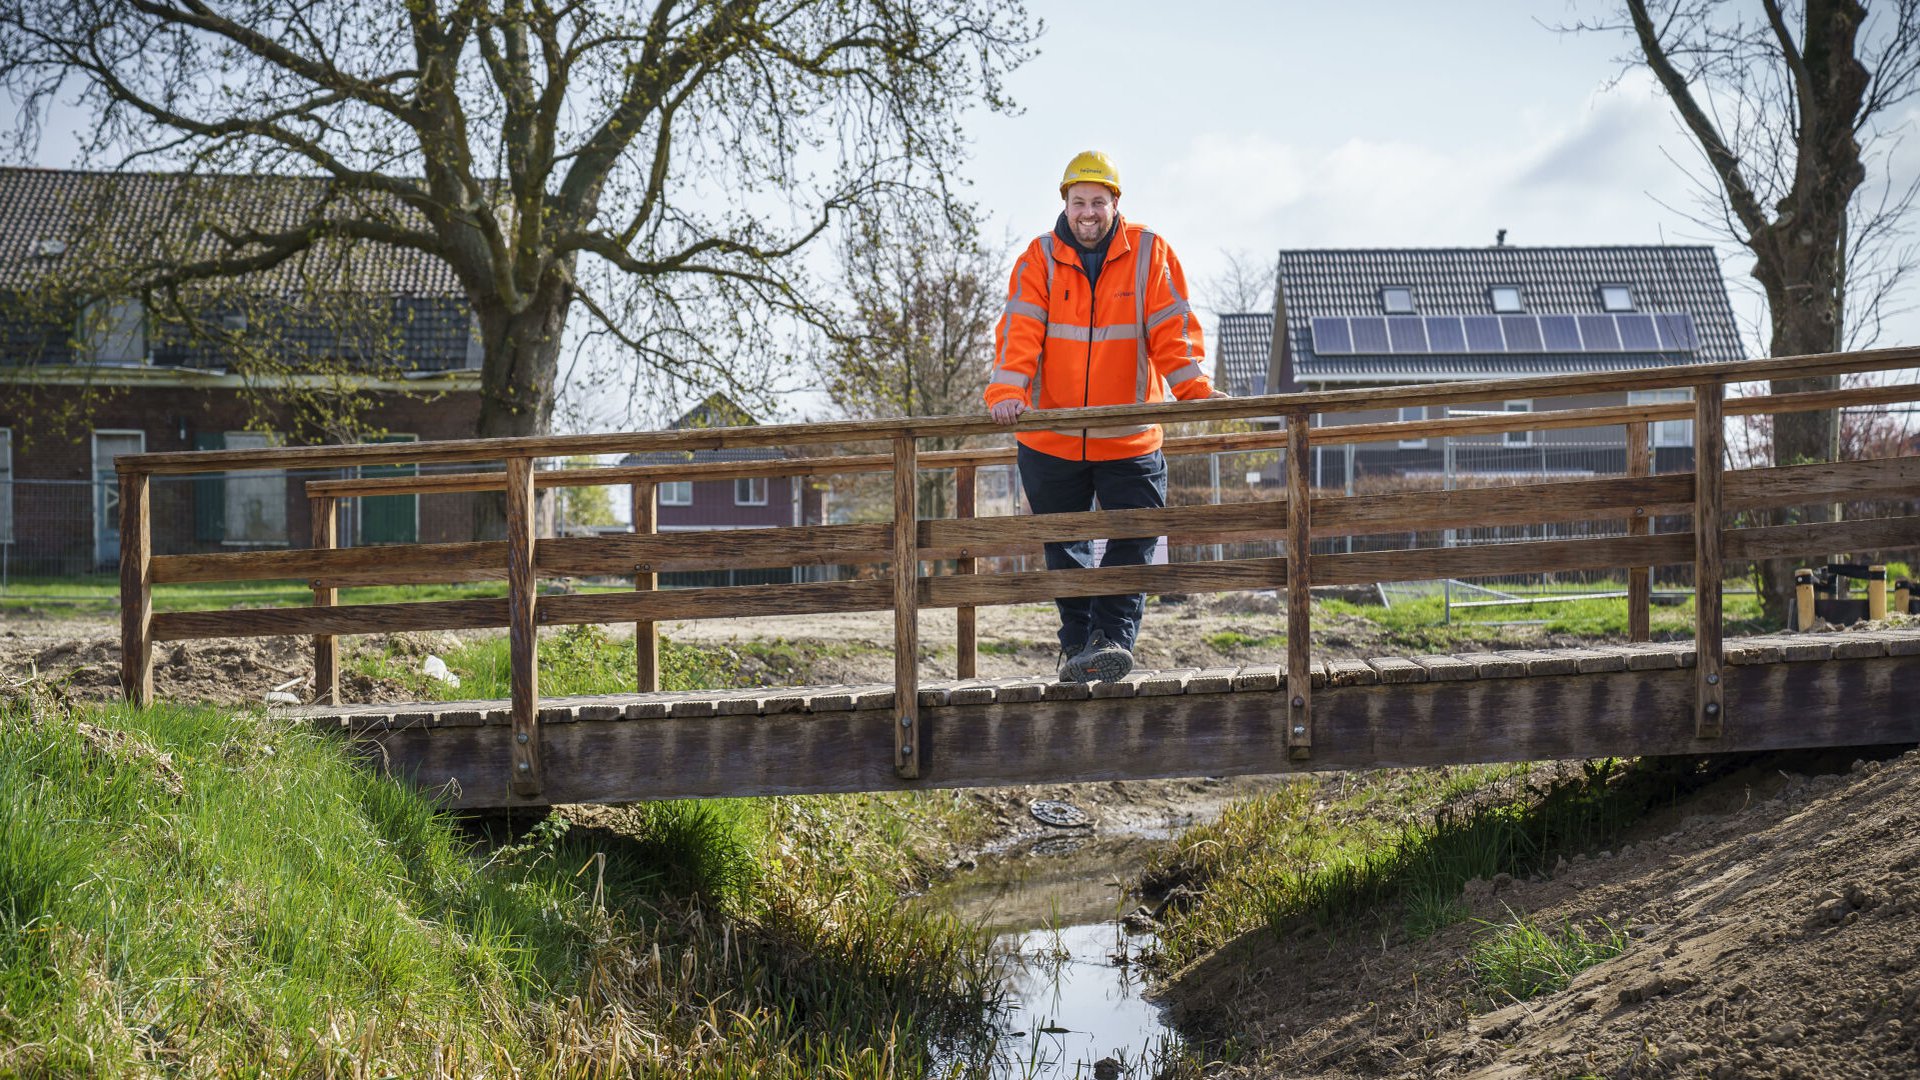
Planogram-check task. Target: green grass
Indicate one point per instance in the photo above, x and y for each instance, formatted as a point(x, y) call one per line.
point(96, 594)
point(1397, 847)
point(576, 660)
point(1234, 640)
point(1422, 623)
point(209, 893)
point(1521, 959)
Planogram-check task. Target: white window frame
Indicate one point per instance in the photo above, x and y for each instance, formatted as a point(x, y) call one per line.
point(6, 485)
point(270, 481)
point(1519, 299)
point(114, 331)
point(1606, 303)
point(753, 484)
point(676, 493)
point(1517, 438)
point(1666, 432)
point(1386, 302)
point(1415, 412)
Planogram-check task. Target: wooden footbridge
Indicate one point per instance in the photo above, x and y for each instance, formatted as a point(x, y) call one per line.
point(1299, 712)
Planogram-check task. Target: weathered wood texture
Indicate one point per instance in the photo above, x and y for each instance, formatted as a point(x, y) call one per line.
point(906, 608)
point(325, 531)
point(966, 618)
point(641, 748)
point(1640, 523)
point(1198, 411)
point(136, 588)
point(1710, 447)
point(523, 662)
point(646, 632)
point(1299, 733)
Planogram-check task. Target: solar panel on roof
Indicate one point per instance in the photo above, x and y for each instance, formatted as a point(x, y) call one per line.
point(1369, 335)
point(1408, 334)
point(1560, 333)
point(1483, 334)
point(1636, 333)
point(1523, 333)
point(1428, 335)
point(1330, 336)
point(1597, 334)
point(1445, 335)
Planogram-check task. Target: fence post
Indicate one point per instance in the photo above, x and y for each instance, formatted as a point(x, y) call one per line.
point(136, 589)
point(906, 611)
point(1299, 594)
point(1708, 480)
point(325, 526)
point(1639, 578)
point(523, 639)
point(646, 632)
point(1877, 593)
point(966, 663)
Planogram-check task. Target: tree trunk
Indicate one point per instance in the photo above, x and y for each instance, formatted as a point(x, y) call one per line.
point(517, 391)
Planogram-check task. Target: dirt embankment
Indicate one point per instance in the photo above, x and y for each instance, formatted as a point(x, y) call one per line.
point(1774, 929)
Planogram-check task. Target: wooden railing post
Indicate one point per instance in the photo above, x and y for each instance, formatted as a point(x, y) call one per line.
point(523, 663)
point(1639, 578)
point(906, 610)
point(136, 589)
point(1299, 592)
point(646, 633)
point(967, 645)
point(325, 527)
point(1709, 449)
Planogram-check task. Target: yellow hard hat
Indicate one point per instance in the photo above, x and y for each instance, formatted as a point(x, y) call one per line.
point(1090, 166)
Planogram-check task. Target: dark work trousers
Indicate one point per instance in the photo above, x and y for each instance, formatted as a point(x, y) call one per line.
point(1060, 486)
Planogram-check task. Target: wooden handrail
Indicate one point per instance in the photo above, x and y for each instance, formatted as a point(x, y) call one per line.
point(1705, 496)
point(1334, 435)
point(848, 431)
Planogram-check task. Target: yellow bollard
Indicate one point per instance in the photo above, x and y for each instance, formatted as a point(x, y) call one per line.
point(1803, 599)
point(1876, 593)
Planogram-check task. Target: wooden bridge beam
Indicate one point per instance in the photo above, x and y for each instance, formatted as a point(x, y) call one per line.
point(523, 633)
point(324, 512)
point(136, 588)
point(966, 620)
point(1299, 734)
point(1710, 447)
point(642, 495)
point(906, 608)
point(1639, 578)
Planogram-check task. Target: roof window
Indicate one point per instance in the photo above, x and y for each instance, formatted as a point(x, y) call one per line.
point(1616, 298)
point(1506, 298)
point(1396, 300)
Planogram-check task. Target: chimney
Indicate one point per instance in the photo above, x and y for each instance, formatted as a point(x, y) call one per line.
point(1500, 238)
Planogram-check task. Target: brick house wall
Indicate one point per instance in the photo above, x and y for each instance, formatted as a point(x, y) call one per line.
point(57, 509)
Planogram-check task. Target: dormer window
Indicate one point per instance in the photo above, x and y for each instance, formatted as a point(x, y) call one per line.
point(1616, 298)
point(1506, 299)
point(1396, 300)
point(115, 332)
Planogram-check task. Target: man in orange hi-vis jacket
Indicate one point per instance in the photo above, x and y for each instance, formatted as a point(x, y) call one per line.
point(1096, 314)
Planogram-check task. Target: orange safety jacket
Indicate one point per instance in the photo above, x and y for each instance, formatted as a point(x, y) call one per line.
point(1130, 340)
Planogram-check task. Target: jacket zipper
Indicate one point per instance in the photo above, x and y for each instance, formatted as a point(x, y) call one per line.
point(1086, 375)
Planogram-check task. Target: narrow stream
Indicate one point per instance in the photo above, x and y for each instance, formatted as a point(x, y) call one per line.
point(1077, 1005)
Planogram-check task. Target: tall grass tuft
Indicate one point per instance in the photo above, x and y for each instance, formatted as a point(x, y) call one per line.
point(1521, 959)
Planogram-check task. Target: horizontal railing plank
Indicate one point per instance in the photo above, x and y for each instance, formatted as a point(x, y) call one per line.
point(1199, 411)
point(336, 621)
point(1038, 585)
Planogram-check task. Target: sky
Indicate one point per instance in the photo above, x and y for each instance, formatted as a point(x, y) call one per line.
point(1253, 127)
point(1249, 127)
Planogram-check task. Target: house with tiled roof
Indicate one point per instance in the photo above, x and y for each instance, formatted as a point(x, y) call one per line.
point(1349, 318)
point(183, 371)
point(748, 502)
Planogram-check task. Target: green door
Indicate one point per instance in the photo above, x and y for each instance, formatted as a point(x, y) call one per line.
point(390, 519)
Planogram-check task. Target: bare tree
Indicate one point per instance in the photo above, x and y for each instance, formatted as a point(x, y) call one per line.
point(916, 336)
point(1247, 284)
point(1779, 101)
point(655, 164)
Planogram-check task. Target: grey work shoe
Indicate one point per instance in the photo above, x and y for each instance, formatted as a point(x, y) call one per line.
point(1061, 665)
point(1100, 661)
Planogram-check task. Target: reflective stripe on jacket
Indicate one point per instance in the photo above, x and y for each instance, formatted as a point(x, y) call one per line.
point(1061, 345)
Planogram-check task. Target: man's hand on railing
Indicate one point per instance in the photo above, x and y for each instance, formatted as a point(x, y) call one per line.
point(1218, 394)
point(1006, 412)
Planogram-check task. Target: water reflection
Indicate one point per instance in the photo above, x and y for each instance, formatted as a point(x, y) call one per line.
point(1077, 1005)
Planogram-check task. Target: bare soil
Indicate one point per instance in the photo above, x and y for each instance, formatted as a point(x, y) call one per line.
point(1774, 924)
